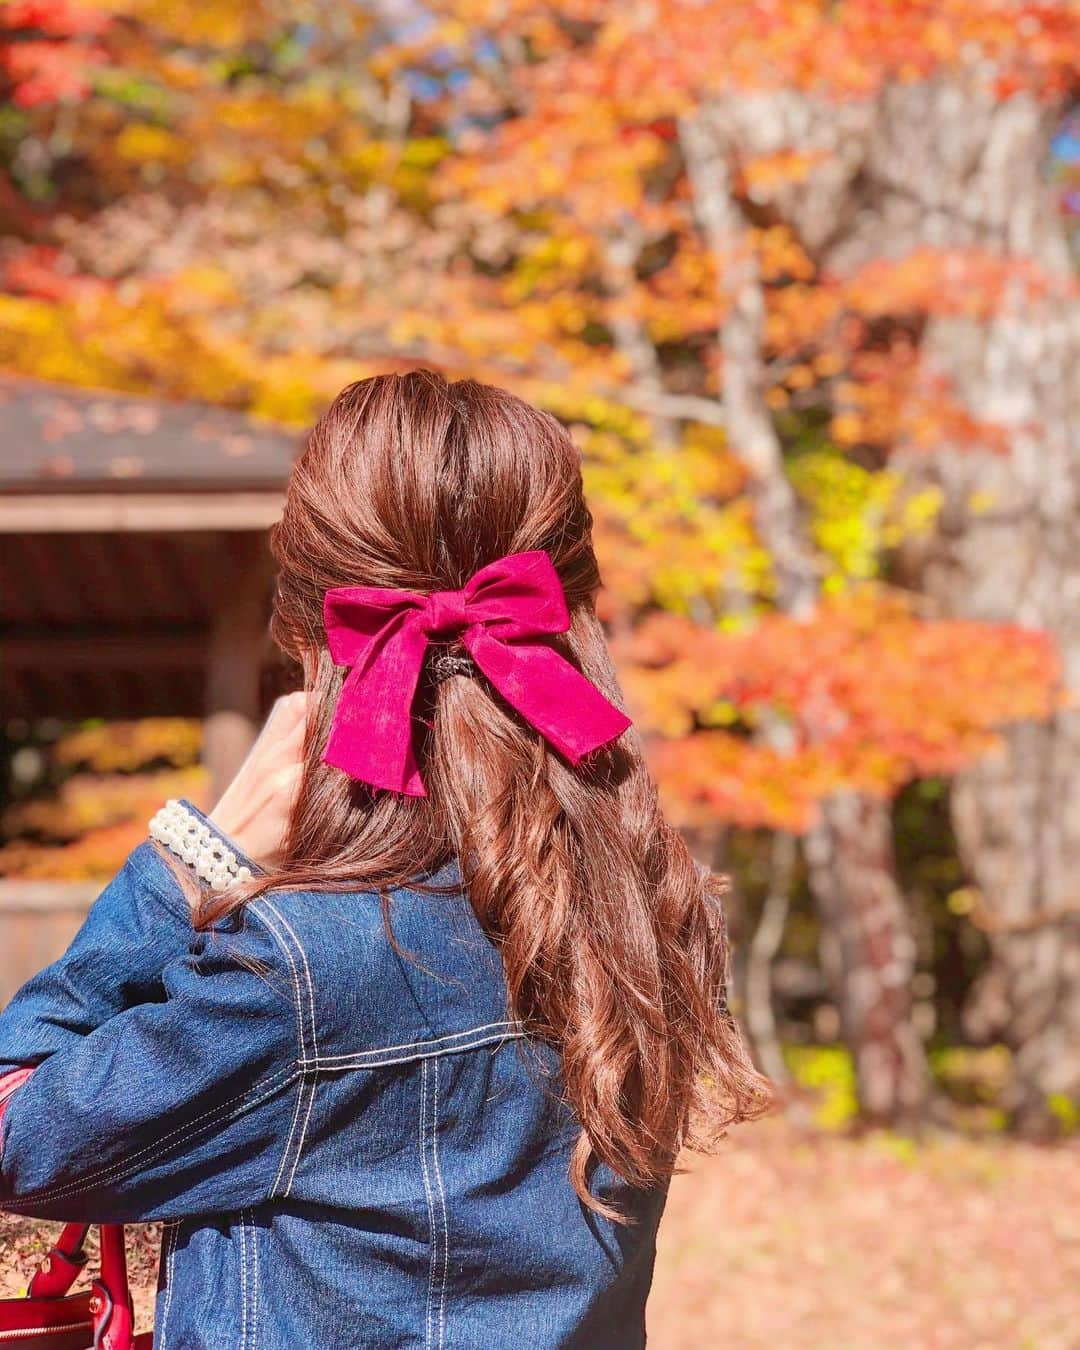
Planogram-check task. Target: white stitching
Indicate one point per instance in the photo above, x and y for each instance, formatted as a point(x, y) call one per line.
point(294, 974)
point(303, 1134)
point(442, 1202)
point(368, 1059)
point(280, 940)
point(307, 969)
point(430, 1202)
point(254, 1280)
point(288, 1142)
point(167, 1230)
point(171, 1240)
point(420, 1045)
point(243, 1282)
point(314, 1045)
point(272, 1085)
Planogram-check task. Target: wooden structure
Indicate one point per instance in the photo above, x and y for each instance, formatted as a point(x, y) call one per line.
point(134, 577)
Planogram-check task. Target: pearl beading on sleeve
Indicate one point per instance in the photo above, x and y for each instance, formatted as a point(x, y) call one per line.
point(194, 843)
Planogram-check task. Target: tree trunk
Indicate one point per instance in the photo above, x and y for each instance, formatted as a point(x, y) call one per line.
point(1007, 550)
point(764, 947)
point(632, 340)
point(853, 876)
point(747, 420)
point(854, 879)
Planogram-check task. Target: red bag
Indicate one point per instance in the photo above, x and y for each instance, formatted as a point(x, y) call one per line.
point(100, 1318)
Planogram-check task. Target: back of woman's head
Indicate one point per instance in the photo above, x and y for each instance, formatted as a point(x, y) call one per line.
point(612, 940)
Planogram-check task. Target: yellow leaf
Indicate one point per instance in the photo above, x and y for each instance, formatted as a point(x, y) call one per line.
point(144, 144)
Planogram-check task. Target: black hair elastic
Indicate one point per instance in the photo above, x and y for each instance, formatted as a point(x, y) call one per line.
point(446, 663)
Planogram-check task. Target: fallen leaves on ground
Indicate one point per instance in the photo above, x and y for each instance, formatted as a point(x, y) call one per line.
point(816, 1242)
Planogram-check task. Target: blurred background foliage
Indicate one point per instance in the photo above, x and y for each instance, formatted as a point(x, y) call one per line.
point(801, 279)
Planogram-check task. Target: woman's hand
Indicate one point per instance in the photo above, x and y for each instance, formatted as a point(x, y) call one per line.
point(254, 810)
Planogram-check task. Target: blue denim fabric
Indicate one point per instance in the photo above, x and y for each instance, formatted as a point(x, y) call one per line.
point(351, 1146)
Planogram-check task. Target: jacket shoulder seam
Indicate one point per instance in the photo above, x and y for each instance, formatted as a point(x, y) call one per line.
point(290, 1155)
point(453, 1043)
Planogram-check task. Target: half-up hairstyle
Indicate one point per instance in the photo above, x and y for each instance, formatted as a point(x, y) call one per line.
point(612, 940)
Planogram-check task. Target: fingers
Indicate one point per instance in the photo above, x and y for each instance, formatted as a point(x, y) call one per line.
point(285, 725)
point(285, 782)
point(287, 739)
point(288, 712)
point(255, 810)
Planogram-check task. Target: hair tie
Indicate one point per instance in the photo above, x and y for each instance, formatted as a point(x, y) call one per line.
point(445, 664)
point(501, 615)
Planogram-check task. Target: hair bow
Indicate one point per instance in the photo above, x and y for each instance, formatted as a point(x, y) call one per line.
point(501, 616)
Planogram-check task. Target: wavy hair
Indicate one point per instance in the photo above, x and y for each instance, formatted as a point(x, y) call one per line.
point(612, 940)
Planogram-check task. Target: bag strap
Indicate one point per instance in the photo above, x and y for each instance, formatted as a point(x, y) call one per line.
point(61, 1267)
point(110, 1298)
point(110, 1305)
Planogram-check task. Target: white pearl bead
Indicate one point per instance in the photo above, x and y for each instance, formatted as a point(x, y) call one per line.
point(185, 835)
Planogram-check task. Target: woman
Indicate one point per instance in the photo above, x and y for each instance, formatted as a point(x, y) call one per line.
point(403, 1040)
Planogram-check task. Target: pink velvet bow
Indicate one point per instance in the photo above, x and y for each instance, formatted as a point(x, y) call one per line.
point(501, 616)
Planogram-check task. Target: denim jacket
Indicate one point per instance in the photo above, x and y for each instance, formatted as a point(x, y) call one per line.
point(350, 1145)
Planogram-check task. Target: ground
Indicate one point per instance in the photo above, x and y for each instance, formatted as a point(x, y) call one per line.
point(811, 1242)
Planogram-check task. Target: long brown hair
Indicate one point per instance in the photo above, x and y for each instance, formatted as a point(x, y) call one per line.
point(612, 940)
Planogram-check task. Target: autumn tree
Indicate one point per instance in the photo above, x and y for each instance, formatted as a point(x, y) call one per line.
point(932, 202)
point(769, 159)
point(701, 235)
point(237, 210)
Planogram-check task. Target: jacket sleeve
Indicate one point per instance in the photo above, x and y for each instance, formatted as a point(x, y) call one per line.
point(139, 923)
point(170, 1107)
